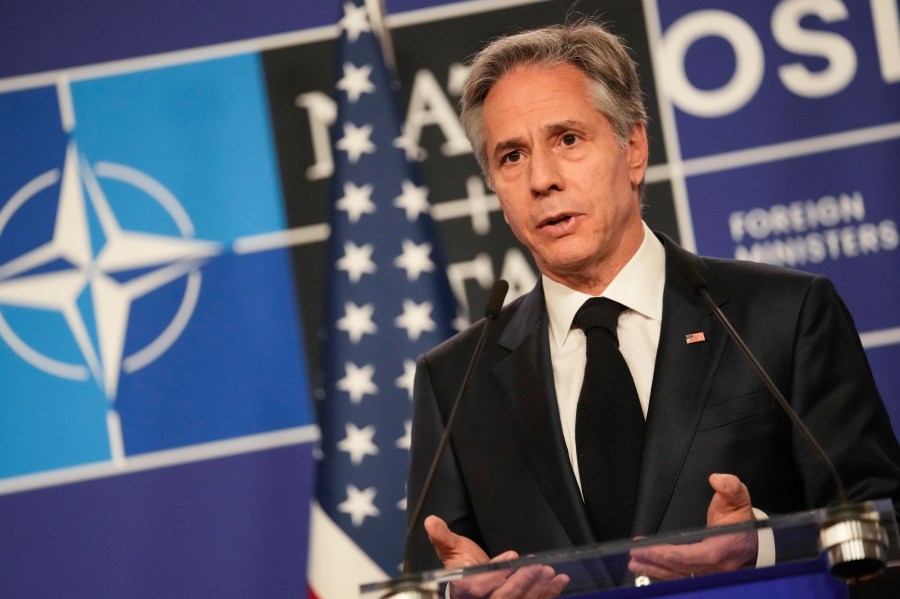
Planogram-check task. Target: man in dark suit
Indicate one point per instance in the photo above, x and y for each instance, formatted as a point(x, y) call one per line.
point(557, 122)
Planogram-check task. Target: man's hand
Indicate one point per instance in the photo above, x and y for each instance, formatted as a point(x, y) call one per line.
point(730, 504)
point(456, 551)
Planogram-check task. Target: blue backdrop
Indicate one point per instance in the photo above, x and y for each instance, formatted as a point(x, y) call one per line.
point(164, 189)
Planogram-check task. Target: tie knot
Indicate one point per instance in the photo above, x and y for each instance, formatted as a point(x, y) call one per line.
point(599, 312)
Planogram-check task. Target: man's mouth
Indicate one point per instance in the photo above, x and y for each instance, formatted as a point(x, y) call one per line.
point(555, 220)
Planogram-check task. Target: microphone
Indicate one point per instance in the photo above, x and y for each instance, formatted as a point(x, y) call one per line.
point(851, 536)
point(491, 311)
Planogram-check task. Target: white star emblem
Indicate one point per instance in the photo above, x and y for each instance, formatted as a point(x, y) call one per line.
point(414, 200)
point(411, 149)
point(162, 259)
point(359, 504)
point(416, 319)
point(405, 441)
point(407, 379)
point(461, 322)
point(415, 259)
point(356, 201)
point(357, 260)
point(356, 141)
point(356, 81)
point(357, 321)
point(358, 443)
point(357, 382)
point(355, 21)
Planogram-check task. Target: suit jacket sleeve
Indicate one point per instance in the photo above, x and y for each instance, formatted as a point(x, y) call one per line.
point(834, 391)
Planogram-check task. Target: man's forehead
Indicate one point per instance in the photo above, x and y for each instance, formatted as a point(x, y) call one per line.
point(540, 95)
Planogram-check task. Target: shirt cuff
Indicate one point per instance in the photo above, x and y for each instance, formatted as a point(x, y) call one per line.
point(765, 553)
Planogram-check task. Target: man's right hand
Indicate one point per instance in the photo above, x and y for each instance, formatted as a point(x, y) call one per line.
point(730, 504)
point(456, 551)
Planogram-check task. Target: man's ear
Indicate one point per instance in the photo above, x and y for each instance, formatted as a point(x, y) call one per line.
point(637, 153)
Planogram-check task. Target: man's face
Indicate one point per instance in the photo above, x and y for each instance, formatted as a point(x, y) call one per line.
point(567, 188)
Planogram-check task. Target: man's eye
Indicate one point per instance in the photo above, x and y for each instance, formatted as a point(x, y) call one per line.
point(569, 138)
point(513, 156)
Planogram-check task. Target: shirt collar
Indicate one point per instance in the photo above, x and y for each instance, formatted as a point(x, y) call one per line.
point(638, 286)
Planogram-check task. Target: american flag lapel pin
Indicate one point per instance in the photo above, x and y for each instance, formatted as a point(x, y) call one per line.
point(694, 338)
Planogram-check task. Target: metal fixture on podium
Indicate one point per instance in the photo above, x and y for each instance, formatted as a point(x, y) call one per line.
point(853, 541)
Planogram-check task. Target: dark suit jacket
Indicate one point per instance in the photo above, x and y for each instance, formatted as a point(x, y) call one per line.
point(506, 481)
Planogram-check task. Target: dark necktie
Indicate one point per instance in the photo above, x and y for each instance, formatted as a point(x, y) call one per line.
point(609, 425)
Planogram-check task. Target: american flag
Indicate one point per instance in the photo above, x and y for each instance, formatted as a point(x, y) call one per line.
point(695, 337)
point(388, 301)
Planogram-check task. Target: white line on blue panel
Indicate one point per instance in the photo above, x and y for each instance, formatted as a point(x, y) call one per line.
point(162, 459)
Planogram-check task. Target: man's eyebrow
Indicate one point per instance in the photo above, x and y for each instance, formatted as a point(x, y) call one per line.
point(510, 144)
point(552, 129)
point(559, 127)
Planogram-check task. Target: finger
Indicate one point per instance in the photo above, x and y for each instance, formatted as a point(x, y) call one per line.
point(653, 553)
point(677, 558)
point(438, 532)
point(730, 489)
point(529, 582)
point(727, 485)
point(479, 585)
point(731, 501)
point(547, 584)
point(493, 584)
point(442, 538)
point(557, 586)
point(658, 573)
point(504, 557)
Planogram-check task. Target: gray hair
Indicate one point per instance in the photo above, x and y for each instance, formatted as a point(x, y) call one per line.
point(612, 75)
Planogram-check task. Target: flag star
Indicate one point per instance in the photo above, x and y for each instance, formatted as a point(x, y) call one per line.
point(407, 379)
point(461, 322)
point(356, 141)
point(401, 505)
point(355, 21)
point(409, 146)
point(415, 259)
point(416, 318)
point(413, 199)
point(357, 321)
point(356, 81)
point(356, 201)
point(406, 440)
point(358, 442)
point(359, 504)
point(357, 382)
point(357, 261)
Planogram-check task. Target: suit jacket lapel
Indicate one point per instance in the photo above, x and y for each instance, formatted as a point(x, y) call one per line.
point(526, 381)
point(682, 381)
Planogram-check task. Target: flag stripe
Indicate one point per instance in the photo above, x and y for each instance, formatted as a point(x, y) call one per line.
point(337, 562)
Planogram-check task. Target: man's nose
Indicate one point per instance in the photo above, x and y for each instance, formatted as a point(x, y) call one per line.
point(544, 173)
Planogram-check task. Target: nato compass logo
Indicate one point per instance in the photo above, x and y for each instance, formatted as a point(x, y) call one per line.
point(109, 227)
point(91, 271)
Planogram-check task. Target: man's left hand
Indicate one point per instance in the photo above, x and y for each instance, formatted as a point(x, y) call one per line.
point(730, 504)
